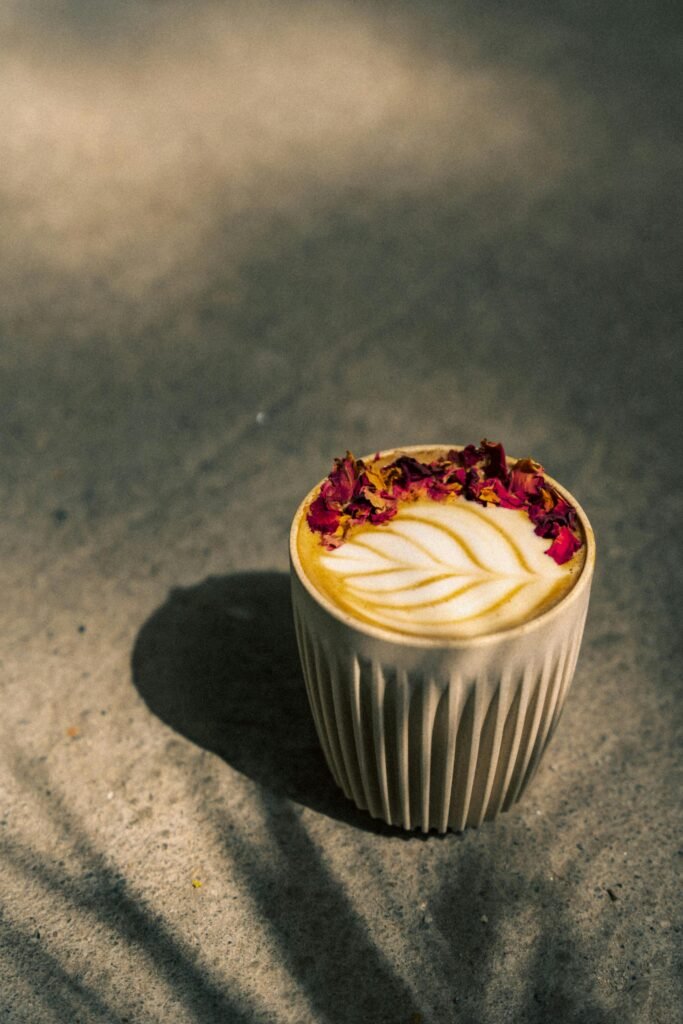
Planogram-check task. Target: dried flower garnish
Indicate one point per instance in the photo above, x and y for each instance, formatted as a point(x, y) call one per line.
point(564, 546)
point(356, 492)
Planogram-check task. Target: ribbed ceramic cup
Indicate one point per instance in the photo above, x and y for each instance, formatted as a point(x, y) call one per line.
point(434, 733)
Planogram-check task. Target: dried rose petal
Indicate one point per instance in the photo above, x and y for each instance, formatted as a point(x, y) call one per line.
point(472, 482)
point(469, 456)
point(506, 497)
point(547, 522)
point(359, 510)
point(564, 512)
point(455, 478)
point(332, 541)
point(495, 464)
point(383, 515)
point(547, 498)
point(410, 470)
point(493, 491)
point(487, 495)
point(341, 483)
point(371, 478)
point(437, 489)
point(564, 546)
point(526, 477)
point(321, 518)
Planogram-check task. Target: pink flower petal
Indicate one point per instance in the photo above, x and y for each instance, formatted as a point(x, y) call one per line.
point(564, 546)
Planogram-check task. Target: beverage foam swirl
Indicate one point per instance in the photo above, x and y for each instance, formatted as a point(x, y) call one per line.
point(452, 569)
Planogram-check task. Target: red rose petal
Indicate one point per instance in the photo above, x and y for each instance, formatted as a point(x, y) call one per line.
point(503, 497)
point(383, 515)
point(564, 546)
point(342, 480)
point(526, 477)
point(495, 464)
point(469, 456)
point(322, 519)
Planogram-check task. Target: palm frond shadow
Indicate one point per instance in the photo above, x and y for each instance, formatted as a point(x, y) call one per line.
point(60, 991)
point(481, 906)
point(319, 935)
point(218, 662)
point(299, 901)
point(98, 891)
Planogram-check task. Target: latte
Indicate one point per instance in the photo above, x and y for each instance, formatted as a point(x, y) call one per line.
point(439, 598)
point(450, 569)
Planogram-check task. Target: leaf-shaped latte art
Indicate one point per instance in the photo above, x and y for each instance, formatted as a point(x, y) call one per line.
point(445, 569)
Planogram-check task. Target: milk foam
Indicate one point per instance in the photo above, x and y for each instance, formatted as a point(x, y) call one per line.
point(452, 569)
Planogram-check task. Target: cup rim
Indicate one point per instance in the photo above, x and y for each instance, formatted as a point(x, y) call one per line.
point(481, 640)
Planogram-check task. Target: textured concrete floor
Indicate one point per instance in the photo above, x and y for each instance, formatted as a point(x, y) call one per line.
point(237, 239)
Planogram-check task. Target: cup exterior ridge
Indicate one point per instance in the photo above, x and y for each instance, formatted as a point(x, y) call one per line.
point(436, 735)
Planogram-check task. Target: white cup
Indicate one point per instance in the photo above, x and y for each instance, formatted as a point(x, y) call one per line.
point(432, 733)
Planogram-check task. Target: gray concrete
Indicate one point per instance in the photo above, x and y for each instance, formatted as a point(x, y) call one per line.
point(237, 239)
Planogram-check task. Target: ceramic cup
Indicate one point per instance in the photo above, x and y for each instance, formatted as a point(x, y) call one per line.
point(430, 733)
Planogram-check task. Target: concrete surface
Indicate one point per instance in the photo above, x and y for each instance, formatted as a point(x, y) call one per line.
point(237, 239)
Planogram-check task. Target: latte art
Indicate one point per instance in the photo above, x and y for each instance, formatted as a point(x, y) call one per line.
point(447, 569)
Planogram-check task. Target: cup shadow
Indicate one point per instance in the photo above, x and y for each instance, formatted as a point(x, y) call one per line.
point(218, 663)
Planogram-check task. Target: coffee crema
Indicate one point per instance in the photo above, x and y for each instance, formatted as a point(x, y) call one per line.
point(450, 569)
